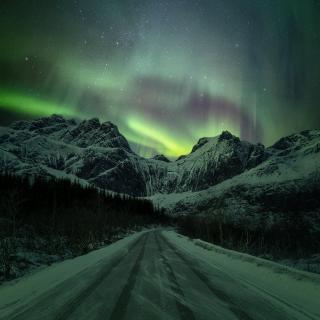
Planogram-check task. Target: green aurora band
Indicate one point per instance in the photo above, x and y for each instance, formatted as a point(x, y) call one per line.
point(166, 74)
point(32, 105)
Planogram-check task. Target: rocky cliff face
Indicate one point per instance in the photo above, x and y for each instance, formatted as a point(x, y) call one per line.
point(287, 180)
point(91, 151)
point(213, 160)
point(97, 153)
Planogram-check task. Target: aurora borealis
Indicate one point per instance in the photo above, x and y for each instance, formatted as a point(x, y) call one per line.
point(166, 72)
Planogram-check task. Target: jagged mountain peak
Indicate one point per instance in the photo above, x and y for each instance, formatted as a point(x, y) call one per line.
point(200, 143)
point(211, 142)
point(39, 123)
point(160, 157)
point(90, 124)
point(226, 135)
point(99, 154)
point(296, 140)
point(57, 120)
point(95, 124)
point(108, 125)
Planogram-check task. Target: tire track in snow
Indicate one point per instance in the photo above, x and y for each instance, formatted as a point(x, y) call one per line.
point(185, 312)
point(120, 309)
point(250, 284)
point(72, 305)
point(234, 308)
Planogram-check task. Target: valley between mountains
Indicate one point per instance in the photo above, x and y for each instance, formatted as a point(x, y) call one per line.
point(222, 172)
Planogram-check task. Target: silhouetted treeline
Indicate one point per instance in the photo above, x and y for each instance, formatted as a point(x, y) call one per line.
point(79, 217)
point(292, 234)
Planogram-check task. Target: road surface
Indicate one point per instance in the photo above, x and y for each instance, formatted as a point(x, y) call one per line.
point(154, 279)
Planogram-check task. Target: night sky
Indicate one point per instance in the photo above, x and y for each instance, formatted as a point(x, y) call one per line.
point(166, 72)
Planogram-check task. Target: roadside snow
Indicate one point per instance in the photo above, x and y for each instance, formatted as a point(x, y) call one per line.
point(18, 293)
point(290, 288)
point(263, 283)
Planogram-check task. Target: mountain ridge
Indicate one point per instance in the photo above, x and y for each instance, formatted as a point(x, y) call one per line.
point(97, 153)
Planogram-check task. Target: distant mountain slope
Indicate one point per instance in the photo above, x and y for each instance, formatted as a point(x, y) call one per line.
point(91, 151)
point(287, 180)
point(97, 153)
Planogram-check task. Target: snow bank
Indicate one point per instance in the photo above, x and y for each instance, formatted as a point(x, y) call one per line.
point(276, 267)
point(288, 287)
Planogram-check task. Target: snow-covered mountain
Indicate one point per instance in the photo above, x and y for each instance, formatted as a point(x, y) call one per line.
point(97, 153)
point(89, 151)
point(285, 182)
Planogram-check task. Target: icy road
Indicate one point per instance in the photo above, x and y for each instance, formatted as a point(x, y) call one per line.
point(160, 275)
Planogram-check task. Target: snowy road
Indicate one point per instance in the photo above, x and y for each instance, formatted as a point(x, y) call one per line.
point(158, 275)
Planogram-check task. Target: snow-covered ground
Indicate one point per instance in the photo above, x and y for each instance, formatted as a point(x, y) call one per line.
point(19, 293)
point(291, 289)
point(28, 252)
point(162, 275)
